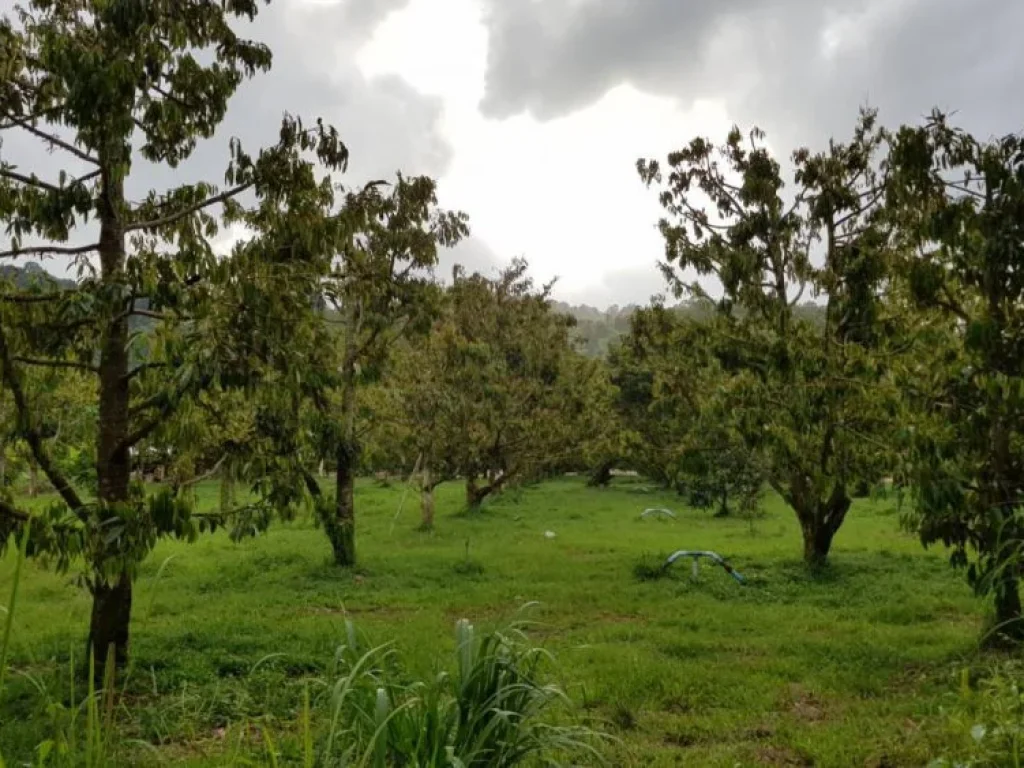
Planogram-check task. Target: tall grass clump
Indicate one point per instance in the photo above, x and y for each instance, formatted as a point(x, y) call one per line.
point(985, 725)
point(80, 732)
point(492, 709)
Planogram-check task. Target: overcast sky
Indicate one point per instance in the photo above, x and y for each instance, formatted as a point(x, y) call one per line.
point(532, 113)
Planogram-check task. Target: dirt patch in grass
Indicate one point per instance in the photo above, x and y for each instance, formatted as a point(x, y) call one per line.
point(805, 706)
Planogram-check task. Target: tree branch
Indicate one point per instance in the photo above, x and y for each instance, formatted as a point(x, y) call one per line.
point(28, 180)
point(165, 405)
point(52, 140)
point(35, 298)
point(11, 512)
point(206, 475)
point(70, 364)
point(151, 314)
point(139, 369)
point(48, 250)
point(178, 215)
point(30, 434)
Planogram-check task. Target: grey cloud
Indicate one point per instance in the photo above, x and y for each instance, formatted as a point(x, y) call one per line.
point(386, 124)
point(552, 58)
point(629, 285)
point(473, 254)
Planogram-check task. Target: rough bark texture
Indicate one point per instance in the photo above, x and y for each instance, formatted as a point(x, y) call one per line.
point(111, 611)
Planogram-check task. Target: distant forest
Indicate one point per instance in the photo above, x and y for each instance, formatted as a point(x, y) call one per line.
point(596, 329)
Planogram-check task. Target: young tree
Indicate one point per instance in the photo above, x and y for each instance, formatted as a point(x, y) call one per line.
point(679, 422)
point(419, 406)
point(378, 289)
point(495, 394)
point(806, 398)
point(108, 85)
point(510, 349)
point(961, 202)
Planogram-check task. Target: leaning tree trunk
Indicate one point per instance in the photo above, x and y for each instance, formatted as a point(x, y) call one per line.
point(820, 523)
point(112, 596)
point(475, 494)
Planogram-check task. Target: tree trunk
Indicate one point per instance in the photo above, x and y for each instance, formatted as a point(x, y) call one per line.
point(1008, 610)
point(342, 529)
point(820, 524)
point(723, 507)
point(601, 476)
point(108, 627)
point(227, 488)
point(3, 464)
point(33, 479)
point(427, 503)
point(112, 602)
point(426, 499)
point(475, 494)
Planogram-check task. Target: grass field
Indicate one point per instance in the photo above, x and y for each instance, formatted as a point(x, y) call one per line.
point(835, 670)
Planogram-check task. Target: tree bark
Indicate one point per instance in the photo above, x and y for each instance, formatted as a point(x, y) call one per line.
point(227, 489)
point(112, 601)
point(1008, 610)
point(820, 524)
point(3, 464)
point(342, 530)
point(33, 479)
point(110, 621)
point(723, 507)
point(427, 500)
point(602, 475)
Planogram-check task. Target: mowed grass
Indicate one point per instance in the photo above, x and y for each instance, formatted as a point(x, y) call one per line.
point(838, 669)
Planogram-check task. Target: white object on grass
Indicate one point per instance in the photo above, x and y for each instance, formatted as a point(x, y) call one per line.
point(658, 511)
point(696, 554)
point(549, 534)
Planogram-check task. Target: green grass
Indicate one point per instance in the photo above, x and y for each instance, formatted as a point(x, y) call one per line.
point(835, 670)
